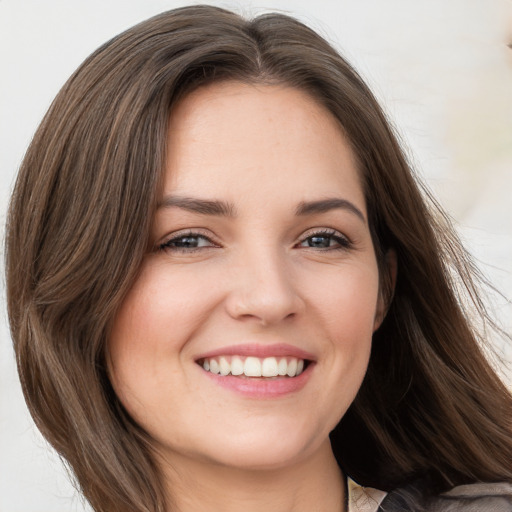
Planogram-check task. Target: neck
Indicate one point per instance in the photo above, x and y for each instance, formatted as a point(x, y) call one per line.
point(312, 484)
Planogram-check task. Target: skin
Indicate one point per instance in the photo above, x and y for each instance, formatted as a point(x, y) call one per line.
point(257, 276)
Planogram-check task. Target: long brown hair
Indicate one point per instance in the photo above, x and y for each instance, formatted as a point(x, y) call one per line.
point(78, 228)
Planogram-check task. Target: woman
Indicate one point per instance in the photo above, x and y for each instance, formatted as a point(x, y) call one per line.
point(226, 290)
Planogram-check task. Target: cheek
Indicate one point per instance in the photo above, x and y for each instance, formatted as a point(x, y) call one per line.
point(160, 309)
point(346, 300)
point(346, 303)
point(149, 335)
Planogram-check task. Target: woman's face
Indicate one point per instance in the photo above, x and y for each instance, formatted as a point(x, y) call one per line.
point(262, 262)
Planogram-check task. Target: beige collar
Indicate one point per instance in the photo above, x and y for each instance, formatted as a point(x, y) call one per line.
point(363, 499)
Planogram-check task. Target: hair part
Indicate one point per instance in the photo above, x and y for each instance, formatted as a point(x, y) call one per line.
point(78, 229)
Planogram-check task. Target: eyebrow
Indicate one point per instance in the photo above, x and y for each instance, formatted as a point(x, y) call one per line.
point(202, 206)
point(325, 205)
point(226, 209)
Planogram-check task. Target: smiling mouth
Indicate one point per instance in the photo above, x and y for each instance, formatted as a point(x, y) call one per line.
point(268, 367)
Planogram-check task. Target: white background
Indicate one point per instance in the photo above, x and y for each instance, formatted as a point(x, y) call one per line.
point(442, 69)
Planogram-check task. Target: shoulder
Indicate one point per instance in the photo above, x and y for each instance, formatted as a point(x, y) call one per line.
point(495, 497)
point(477, 497)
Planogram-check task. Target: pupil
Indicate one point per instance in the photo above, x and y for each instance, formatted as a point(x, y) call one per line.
point(319, 241)
point(186, 241)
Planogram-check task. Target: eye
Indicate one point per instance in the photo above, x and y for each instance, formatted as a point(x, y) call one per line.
point(187, 242)
point(326, 239)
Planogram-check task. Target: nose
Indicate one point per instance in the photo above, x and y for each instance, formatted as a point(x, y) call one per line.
point(264, 289)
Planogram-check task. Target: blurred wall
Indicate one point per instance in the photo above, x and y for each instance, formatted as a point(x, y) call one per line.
point(442, 70)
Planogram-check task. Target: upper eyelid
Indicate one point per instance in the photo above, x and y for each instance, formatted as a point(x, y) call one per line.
point(188, 232)
point(323, 231)
point(165, 242)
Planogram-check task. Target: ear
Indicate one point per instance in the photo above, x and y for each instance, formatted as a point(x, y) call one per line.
point(387, 288)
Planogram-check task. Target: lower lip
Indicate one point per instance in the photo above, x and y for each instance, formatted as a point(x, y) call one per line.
point(261, 387)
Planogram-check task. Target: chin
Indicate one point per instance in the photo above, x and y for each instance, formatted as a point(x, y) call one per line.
point(270, 448)
point(261, 459)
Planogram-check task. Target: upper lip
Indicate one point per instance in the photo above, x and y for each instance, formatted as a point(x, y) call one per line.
point(257, 350)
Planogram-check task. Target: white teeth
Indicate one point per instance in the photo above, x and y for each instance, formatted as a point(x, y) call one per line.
point(254, 366)
point(214, 366)
point(225, 367)
point(292, 368)
point(269, 367)
point(237, 366)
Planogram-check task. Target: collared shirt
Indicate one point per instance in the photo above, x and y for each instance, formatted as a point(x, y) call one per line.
point(363, 499)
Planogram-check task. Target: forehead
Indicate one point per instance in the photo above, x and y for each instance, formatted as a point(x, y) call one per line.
point(264, 136)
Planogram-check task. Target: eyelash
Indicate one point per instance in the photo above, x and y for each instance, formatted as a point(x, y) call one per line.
point(167, 245)
point(343, 243)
